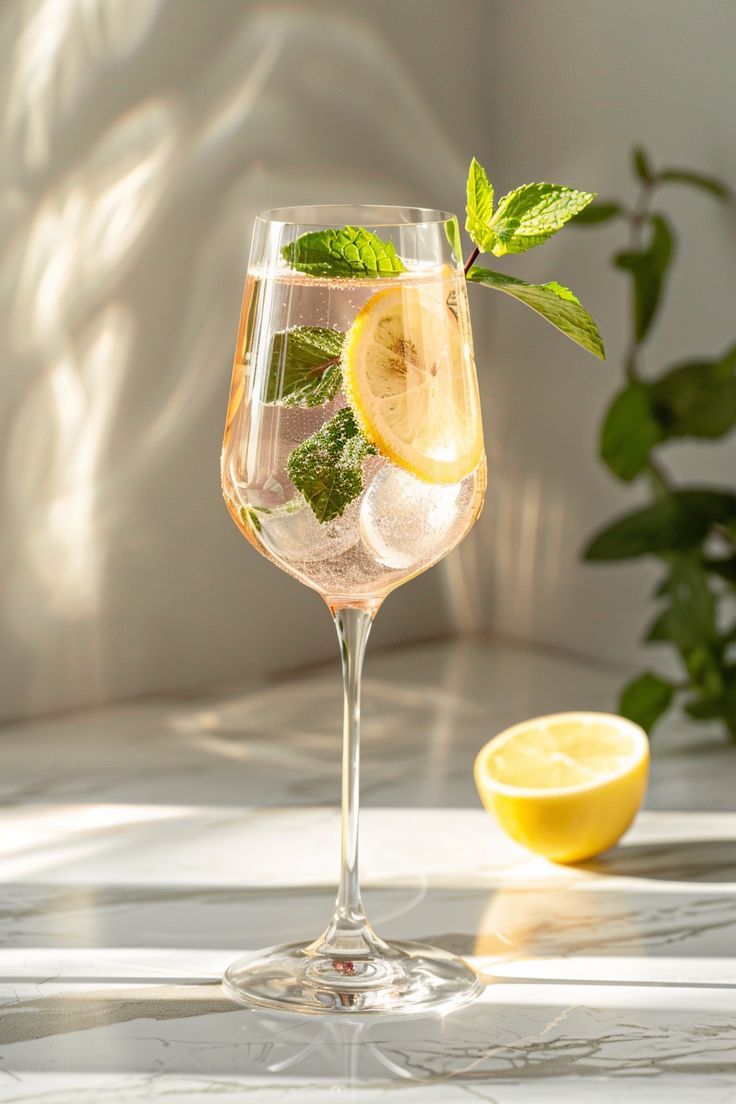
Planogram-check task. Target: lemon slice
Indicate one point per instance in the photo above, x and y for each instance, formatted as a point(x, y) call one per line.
point(408, 375)
point(566, 786)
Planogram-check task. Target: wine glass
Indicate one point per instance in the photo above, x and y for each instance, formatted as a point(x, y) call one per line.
point(353, 460)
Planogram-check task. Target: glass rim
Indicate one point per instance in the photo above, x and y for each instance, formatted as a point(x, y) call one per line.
point(363, 214)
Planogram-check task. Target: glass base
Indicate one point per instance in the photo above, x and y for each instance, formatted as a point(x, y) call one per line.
point(405, 978)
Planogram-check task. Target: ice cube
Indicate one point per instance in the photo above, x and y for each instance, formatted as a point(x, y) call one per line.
point(406, 522)
point(295, 535)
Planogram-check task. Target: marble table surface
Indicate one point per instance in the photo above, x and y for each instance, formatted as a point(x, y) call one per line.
point(145, 846)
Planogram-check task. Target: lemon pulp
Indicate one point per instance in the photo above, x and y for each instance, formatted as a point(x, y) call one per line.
point(410, 381)
point(565, 786)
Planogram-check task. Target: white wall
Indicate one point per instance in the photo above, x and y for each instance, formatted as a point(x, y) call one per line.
point(572, 87)
point(139, 138)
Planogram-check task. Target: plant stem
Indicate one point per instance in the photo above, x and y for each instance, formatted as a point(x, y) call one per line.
point(471, 260)
point(659, 478)
point(636, 219)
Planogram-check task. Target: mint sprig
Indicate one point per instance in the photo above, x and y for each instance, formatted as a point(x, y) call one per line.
point(351, 251)
point(525, 217)
point(305, 366)
point(327, 468)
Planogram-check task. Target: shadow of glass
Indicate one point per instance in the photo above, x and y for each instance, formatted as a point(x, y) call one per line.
point(511, 1033)
point(705, 860)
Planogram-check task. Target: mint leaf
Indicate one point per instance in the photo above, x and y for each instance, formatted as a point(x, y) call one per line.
point(327, 468)
point(253, 515)
point(249, 517)
point(557, 304)
point(689, 620)
point(697, 399)
point(532, 213)
point(645, 699)
point(674, 524)
point(479, 207)
point(351, 251)
point(695, 180)
point(630, 431)
point(724, 569)
point(642, 165)
point(305, 366)
point(603, 210)
point(648, 268)
point(452, 231)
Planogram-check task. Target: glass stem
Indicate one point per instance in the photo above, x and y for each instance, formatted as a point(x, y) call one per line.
point(353, 627)
point(349, 935)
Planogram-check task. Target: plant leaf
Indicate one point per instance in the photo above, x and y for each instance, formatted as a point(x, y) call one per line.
point(697, 399)
point(327, 468)
point(673, 524)
point(305, 366)
point(645, 699)
point(602, 210)
point(629, 433)
point(689, 621)
point(351, 251)
point(479, 207)
point(722, 706)
point(724, 569)
point(532, 213)
point(249, 517)
point(452, 232)
point(557, 304)
point(648, 268)
point(642, 165)
point(696, 180)
point(705, 671)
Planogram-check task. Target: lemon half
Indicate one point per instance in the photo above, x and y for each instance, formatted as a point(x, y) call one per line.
point(409, 378)
point(566, 786)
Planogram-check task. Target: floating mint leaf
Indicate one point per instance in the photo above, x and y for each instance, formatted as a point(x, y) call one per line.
point(249, 516)
point(532, 213)
point(557, 304)
point(479, 207)
point(327, 468)
point(351, 251)
point(305, 366)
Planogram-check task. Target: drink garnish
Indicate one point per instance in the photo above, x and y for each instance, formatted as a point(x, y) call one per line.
point(406, 340)
point(351, 251)
point(305, 366)
point(327, 468)
point(438, 441)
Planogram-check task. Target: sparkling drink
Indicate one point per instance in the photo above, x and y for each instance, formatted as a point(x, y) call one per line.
point(399, 524)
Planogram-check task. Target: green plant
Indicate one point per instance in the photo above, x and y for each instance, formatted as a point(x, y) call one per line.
point(691, 530)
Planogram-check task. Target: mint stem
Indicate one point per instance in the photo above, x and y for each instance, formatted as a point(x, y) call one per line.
point(471, 260)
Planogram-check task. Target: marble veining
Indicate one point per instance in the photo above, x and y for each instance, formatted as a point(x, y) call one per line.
point(144, 847)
